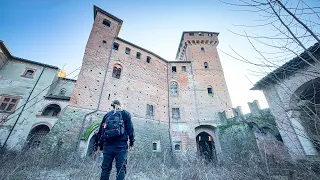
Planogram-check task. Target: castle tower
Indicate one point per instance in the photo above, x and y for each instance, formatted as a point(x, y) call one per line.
point(96, 59)
point(211, 92)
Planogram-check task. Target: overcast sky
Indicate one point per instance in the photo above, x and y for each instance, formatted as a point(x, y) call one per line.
point(56, 32)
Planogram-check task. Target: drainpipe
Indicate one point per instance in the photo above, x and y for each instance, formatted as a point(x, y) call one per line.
point(169, 107)
point(100, 96)
point(24, 105)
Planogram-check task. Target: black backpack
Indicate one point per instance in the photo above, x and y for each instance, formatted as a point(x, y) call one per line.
point(113, 126)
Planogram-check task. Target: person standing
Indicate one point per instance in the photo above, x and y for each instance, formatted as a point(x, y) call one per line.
point(112, 138)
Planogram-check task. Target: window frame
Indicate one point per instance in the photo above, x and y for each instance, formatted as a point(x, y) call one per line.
point(118, 68)
point(150, 113)
point(107, 25)
point(25, 73)
point(178, 110)
point(9, 103)
point(174, 86)
point(211, 90)
point(191, 34)
point(179, 143)
point(201, 34)
point(127, 51)
point(210, 34)
point(183, 69)
point(115, 45)
point(148, 60)
point(138, 55)
point(206, 65)
point(202, 50)
point(174, 69)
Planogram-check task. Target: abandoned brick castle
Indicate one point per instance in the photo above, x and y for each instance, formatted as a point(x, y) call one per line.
point(176, 106)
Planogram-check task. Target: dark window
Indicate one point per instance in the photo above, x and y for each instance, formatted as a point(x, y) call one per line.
point(116, 72)
point(154, 146)
point(128, 51)
point(115, 46)
point(191, 34)
point(183, 68)
point(150, 110)
point(36, 135)
point(51, 110)
point(29, 73)
point(175, 113)
point(148, 59)
point(106, 23)
point(8, 103)
point(138, 55)
point(174, 69)
point(202, 50)
point(210, 34)
point(200, 34)
point(206, 66)
point(210, 90)
point(177, 147)
point(174, 88)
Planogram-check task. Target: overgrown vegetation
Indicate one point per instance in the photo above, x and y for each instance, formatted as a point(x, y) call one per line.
point(37, 164)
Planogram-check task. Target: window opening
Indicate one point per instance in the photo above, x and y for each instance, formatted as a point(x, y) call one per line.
point(51, 110)
point(150, 111)
point(148, 59)
point(106, 23)
point(175, 113)
point(177, 146)
point(174, 88)
point(210, 34)
point(210, 90)
point(109, 97)
point(154, 146)
point(138, 55)
point(29, 73)
point(128, 51)
point(37, 135)
point(191, 34)
point(8, 103)
point(206, 66)
point(116, 72)
point(200, 34)
point(174, 69)
point(183, 68)
point(115, 46)
point(202, 50)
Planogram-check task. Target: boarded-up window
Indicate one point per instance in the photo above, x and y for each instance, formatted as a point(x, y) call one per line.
point(175, 113)
point(116, 73)
point(8, 103)
point(150, 111)
point(174, 89)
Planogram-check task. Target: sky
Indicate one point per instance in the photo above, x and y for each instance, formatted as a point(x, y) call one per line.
point(55, 32)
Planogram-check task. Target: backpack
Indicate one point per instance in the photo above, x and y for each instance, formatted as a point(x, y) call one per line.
point(113, 126)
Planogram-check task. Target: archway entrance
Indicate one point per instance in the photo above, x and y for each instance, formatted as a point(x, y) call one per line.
point(206, 147)
point(36, 135)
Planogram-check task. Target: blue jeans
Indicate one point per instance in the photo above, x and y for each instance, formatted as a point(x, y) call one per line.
point(110, 153)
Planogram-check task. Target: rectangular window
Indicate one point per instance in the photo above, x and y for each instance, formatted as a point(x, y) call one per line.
point(200, 34)
point(154, 146)
point(177, 145)
point(115, 46)
point(28, 73)
point(184, 69)
point(8, 103)
point(174, 69)
point(191, 34)
point(175, 113)
point(210, 90)
point(210, 34)
point(148, 59)
point(128, 51)
point(138, 55)
point(150, 111)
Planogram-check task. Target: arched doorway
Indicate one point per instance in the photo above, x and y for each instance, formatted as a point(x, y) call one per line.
point(305, 108)
point(206, 146)
point(36, 135)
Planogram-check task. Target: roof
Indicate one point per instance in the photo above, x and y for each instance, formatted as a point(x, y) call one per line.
point(289, 68)
point(9, 54)
point(191, 32)
point(97, 9)
point(127, 42)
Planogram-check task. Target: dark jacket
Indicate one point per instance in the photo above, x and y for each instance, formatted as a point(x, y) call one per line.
point(121, 140)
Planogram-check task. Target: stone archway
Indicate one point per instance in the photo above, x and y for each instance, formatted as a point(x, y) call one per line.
point(206, 142)
point(304, 113)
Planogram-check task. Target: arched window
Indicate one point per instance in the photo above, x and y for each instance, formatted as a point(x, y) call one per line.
point(106, 23)
point(36, 135)
point(206, 66)
point(202, 50)
point(51, 110)
point(174, 89)
point(116, 73)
